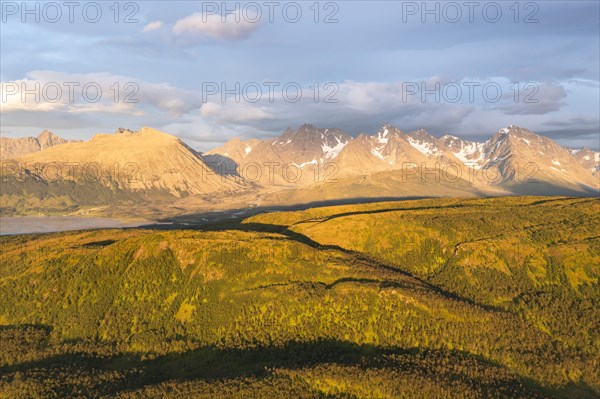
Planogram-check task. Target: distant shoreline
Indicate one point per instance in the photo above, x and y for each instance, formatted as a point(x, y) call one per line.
point(14, 225)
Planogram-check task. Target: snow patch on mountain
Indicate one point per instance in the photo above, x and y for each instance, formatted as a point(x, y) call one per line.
point(333, 151)
point(377, 153)
point(450, 137)
point(425, 148)
point(281, 142)
point(313, 162)
point(382, 137)
point(467, 152)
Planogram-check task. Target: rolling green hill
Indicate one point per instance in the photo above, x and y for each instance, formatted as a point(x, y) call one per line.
point(432, 298)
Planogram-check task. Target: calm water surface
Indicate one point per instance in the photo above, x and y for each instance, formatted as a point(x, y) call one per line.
point(47, 224)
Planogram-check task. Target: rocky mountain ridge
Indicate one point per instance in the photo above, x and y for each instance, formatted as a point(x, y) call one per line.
point(16, 147)
point(159, 171)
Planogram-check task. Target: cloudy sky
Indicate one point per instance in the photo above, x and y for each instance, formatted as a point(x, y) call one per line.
point(210, 71)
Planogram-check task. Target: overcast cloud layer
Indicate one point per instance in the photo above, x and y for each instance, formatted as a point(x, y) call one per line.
point(353, 65)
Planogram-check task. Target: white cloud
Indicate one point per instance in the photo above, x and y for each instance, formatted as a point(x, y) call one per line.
point(361, 107)
point(535, 98)
point(154, 25)
point(51, 91)
point(233, 112)
point(232, 26)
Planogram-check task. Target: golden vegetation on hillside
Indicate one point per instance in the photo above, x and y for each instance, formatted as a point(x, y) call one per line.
point(431, 298)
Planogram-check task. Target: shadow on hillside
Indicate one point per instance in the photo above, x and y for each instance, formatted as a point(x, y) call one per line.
point(222, 165)
point(353, 256)
point(219, 219)
point(211, 363)
point(365, 260)
point(234, 216)
point(383, 283)
point(546, 188)
point(44, 328)
point(377, 211)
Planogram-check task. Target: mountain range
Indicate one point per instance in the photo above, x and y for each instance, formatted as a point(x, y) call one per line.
point(16, 147)
point(158, 171)
point(513, 160)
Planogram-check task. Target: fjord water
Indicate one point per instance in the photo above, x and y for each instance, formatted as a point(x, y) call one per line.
point(48, 224)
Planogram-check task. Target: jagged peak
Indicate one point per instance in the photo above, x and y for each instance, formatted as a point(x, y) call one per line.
point(388, 130)
point(145, 132)
point(48, 139)
point(514, 130)
point(450, 137)
point(389, 126)
point(123, 130)
point(45, 134)
point(310, 132)
point(421, 134)
point(307, 126)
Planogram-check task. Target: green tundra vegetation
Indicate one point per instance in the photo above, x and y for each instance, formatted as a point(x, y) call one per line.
point(438, 298)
